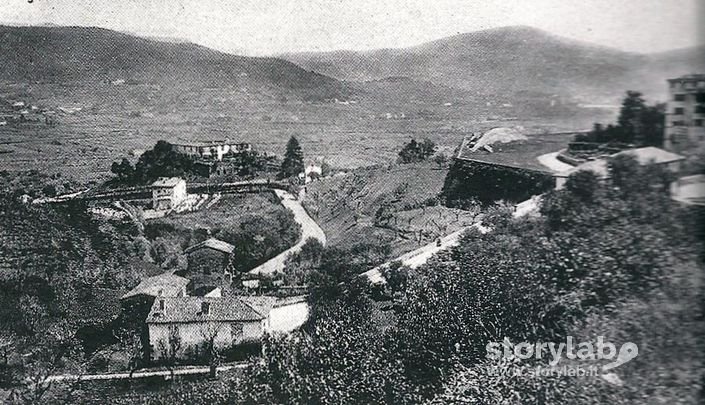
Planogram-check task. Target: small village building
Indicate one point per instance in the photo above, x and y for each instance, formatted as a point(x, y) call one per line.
point(168, 193)
point(195, 321)
point(209, 257)
point(227, 321)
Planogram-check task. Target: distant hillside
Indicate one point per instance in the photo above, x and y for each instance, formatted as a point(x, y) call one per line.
point(51, 54)
point(508, 60)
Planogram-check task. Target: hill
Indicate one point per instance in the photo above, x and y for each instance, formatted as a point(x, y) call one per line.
point(506, 60)
point(50, 54)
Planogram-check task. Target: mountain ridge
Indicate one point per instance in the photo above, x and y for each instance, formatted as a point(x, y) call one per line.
point(488, 61)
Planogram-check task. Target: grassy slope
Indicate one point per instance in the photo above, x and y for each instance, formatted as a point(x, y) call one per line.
point(345, 206)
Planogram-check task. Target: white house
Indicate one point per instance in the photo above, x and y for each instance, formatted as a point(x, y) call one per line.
point(311, 173)
point(227, 321)
point(168, 193)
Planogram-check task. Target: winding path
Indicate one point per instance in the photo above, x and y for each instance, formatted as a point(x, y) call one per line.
point(309, 229)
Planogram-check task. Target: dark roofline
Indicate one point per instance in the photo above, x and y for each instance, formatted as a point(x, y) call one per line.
point(547, 171)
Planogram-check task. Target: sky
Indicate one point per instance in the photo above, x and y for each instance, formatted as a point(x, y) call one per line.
point(270, 27)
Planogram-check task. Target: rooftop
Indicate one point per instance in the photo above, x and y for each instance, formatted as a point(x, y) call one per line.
point(166, 284)
point(207, 143)
point(212, 243)
point(189, 309)
point(167, 182)
point(646, 155)
point(651, 154)
point(689, 77)
point(519, 154)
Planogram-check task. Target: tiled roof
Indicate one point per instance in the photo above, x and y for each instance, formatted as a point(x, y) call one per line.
point(167, 182)
point(212, 243)
point(166, 284)
point(189, 309)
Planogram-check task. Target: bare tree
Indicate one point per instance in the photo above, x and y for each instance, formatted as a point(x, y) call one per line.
point(209, 333)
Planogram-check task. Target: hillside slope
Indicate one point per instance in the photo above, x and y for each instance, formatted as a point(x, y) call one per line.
point(508, 59)
point(88, 55)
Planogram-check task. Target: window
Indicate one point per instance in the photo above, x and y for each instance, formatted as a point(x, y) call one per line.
point(700, 98)
point(205, 308)
point(679, 97)
point(700, 109)
point(678, 123)
point(678, 111)
point(161, 305)
point(698, 123)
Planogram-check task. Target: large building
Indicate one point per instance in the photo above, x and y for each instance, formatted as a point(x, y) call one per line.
point(210, 150)
point(685, 115)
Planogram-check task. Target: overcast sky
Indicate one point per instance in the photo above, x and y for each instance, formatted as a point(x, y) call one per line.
point(265, 27)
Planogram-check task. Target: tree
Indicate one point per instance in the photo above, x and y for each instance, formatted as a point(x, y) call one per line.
point(417, 151)
point(630, 117)
point(293, 163)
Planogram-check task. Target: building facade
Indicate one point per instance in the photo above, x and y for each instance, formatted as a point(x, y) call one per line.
point(210, 150)
point(685, 114)
point(168, 193)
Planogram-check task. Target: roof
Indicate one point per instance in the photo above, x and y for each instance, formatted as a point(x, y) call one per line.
point(188, 309)
point(519, 154)
point(166, 284)
point(645, 156)
point(167, 182)
point(212, 243)
point(697, 76)
point(207, 143)
point(651, 154)
point(265, 303)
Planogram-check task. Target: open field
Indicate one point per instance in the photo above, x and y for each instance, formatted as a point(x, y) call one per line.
point(117, 120)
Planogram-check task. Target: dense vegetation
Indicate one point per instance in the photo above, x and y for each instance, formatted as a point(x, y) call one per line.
point(61, 273)
point(619, 261)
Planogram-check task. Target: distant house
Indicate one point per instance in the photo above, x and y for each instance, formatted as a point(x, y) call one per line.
point(228, 321)
point(209, 256)
point(644, 156)
point(212, 150)
point(168, 193)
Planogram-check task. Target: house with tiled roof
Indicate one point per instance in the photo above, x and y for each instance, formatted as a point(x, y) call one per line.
point(194, 321)
point(227, 321)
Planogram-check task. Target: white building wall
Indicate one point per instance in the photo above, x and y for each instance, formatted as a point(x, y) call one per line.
point(196, 333)
point(287, 318)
